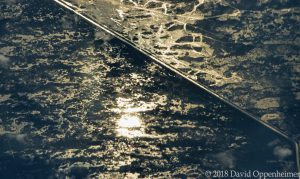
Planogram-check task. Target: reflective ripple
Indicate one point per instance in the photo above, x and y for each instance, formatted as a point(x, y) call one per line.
point(74, 102)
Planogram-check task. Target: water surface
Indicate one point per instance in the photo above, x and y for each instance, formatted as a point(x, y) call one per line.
point(75, 102)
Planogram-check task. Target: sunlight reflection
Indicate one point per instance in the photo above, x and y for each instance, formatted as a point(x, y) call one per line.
point(130, 126)
point(129, 121)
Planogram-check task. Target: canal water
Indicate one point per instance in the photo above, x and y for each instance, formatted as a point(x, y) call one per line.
point(76, 102)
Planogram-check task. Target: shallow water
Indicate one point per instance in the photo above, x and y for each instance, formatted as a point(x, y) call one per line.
point(76, 102)
point(245, 51)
